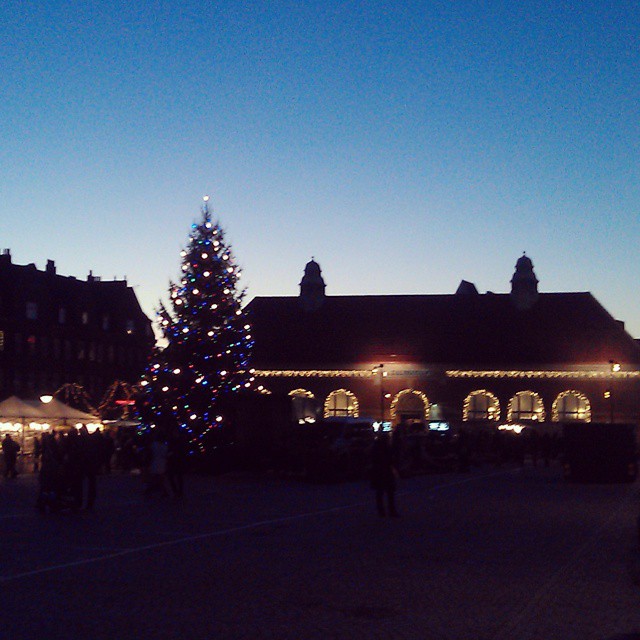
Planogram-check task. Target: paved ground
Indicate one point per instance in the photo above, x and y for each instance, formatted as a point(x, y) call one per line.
point(490, 555)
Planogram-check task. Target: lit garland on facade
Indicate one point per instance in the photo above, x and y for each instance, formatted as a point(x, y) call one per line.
point(314, 373)
point(301, 393)
point(410, 392)
point(352, 408)
point(583, 410)
point(493, 405)
point(453, 373)
point(575, 374)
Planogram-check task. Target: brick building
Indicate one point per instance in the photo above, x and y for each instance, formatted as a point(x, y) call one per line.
point(524, 356)
point(58, 329)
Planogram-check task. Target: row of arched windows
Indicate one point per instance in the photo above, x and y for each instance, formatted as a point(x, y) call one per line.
point(481, 404)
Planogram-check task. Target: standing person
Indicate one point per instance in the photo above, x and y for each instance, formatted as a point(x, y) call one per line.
point(10, 450)
point(37, 453)
point(51, 483)
point(157, 470)
point(176, 460)
point(383, 475)
point(73, 467)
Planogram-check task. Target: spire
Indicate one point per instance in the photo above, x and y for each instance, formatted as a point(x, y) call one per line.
point(312, 287)
point(524, 284)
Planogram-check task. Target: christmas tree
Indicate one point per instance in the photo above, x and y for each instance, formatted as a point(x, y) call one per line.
point(208, 340)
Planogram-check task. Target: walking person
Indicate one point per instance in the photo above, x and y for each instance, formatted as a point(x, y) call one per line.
point(383, 475)
point(10, 449)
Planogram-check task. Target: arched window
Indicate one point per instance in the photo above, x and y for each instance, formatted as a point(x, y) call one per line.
point(481, 405)
point(526, 405)
point(571, 406)
point(409, 405)
point(305, 408)
point(341, 403)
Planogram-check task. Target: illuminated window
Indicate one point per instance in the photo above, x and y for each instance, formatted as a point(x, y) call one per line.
point(410, 405)
point(1, 340)
point(571, 406)
point(481, 405)
point(526, 405)
point(305, 407)
point(85, 317)
point(341, 403)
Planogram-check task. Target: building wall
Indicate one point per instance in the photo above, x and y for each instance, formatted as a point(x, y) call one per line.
point(56, 330)
point(448, 389)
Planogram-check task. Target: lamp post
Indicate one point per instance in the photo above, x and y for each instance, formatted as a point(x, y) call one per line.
point(383, 373)
point(608, 394)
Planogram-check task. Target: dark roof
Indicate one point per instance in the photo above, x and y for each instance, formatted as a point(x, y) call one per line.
point(20, 283)
point(481, 331)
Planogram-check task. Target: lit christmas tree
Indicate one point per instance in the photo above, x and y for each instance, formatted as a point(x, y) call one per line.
point(208, 340)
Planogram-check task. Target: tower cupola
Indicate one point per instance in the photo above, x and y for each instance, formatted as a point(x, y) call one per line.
point(524, 284)
point(312, 287)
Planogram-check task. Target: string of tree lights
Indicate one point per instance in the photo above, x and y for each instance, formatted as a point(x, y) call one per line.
point(208, 341)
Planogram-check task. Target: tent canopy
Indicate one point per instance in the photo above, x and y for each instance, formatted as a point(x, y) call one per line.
point(57, 410)
point(14, 408)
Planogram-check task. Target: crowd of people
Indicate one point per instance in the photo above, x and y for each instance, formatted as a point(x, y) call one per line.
point(69, 461)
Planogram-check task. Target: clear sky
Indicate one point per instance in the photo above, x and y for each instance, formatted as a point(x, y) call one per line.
point(406, 145)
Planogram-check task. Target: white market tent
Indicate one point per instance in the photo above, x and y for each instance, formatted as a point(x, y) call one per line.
point(28, 417)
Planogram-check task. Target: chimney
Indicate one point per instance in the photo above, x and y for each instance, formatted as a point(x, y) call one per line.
point(5, 257)
point(51, 267)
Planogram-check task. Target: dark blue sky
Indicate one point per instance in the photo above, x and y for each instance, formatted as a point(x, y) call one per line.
point(404, 145)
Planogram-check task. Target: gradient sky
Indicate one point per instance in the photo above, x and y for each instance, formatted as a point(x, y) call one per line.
point(406, 145)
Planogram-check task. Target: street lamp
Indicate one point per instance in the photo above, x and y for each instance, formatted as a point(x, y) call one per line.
point(608, 394)
point(383, 374)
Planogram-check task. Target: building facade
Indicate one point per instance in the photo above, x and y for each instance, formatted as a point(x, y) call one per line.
point(519, 357)
point(57, 330)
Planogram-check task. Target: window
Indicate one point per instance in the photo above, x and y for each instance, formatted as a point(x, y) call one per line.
point(304, 405)
point(62, 315)
point(410, 406)
point(571, 406)
point(105, 323)
point(85, 317)
point(341, 403)
point(526, 405)
point(1, 340)
point(130, 326)
point(481, 405)
point(32, 311)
